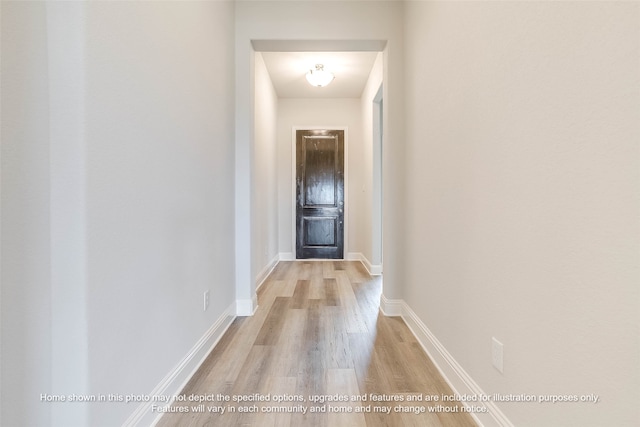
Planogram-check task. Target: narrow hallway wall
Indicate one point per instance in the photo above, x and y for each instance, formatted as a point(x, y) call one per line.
point(153, 114)
point(26, 304)
point(160, 188)
point(522, 166)
point(265, 179)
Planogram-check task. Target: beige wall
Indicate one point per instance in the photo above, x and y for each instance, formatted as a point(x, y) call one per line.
point(522, 168)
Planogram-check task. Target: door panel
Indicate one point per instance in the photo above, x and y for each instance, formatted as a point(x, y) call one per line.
point(319, 194)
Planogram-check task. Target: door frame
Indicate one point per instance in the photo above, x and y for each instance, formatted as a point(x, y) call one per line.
point(294, 129)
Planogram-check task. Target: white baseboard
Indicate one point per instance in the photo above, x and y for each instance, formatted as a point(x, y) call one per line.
point(374, 270)
point(178, 377)
point(262, 276)
point(457, 378)
point(353, 256)
point(390, 307)
point(247, 307)
point(287, 256)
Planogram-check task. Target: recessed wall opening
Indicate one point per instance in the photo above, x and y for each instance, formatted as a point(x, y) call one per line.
point(353, 103)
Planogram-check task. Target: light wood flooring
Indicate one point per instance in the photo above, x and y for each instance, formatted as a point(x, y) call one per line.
point(317, 332)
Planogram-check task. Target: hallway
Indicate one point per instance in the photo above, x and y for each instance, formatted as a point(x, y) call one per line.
point(318, 331)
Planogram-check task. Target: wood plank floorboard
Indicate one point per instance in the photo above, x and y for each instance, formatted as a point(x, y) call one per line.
point(317, 332)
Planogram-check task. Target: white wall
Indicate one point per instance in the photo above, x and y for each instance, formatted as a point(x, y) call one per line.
point(320, 113)
point(117, 198)
point(66, 73)
point(26, 305)
point(265, 203)
point(522, 166)
point(160, 191)
point(369, 224)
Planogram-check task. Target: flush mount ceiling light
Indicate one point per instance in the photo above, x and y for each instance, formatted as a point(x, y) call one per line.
point(319, 77)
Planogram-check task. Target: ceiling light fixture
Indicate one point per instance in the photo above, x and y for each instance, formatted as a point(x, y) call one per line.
point(319, 77)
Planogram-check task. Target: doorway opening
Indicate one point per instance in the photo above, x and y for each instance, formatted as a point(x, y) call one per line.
point(359, 231)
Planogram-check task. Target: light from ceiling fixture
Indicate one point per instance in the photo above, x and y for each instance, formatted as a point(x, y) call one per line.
point(319, 77)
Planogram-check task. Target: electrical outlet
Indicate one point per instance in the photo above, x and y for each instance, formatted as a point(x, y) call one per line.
point(497, 356)
point(206, 300)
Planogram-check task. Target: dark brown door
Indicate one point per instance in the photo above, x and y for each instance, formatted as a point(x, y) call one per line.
point(320, 194)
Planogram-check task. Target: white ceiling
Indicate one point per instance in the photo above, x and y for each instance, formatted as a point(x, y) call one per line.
point(288, 70)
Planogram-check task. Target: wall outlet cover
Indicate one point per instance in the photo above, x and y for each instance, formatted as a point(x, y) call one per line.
point(206, 300)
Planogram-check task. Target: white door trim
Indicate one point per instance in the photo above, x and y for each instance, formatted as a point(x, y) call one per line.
point(294, 129)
